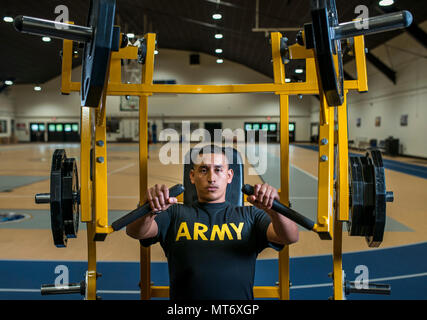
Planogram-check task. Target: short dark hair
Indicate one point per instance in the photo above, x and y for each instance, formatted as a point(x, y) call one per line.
point(212, 148)
point(208, 149)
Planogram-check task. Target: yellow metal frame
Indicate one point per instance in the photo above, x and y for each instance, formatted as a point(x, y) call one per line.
point(94, 194)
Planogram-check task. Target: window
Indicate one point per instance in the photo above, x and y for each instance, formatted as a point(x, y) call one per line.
point(264, 126)
point(273, 127)
point(67, 127)
point(52, 127)
point(42, 127)
point(113, 126)
point(3, 126)
point(75, 127)
point(34, 127)
point(255, 126)
point(248, 126)
point(291, 127)
point(59, 127)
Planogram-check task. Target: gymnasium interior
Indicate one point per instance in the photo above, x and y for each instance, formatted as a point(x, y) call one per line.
point(178, 75)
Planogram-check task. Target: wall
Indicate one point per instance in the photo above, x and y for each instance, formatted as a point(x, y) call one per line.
point(233, 109)
point(390, 101)
point(6, 114)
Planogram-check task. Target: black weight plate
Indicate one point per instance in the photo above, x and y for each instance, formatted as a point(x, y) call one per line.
point(369, 195)
point(70, 203)
point(357, 193)
point(96, 55)
point(324, 18)
point(56, 214)
point(375, 238)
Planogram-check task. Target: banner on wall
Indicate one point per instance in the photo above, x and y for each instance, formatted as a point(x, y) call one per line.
point(129, 103)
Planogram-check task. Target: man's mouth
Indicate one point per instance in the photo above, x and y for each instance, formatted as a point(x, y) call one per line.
point(212, 188)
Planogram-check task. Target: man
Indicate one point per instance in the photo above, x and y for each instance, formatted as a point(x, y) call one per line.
point(212, 245)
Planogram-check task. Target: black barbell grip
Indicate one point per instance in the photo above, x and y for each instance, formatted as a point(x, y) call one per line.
point(175, 191)
point(283, 210)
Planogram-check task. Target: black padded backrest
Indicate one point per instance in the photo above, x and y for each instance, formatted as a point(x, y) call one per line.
point(234, 193)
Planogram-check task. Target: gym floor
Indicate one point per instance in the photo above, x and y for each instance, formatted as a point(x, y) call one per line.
point(28, 257)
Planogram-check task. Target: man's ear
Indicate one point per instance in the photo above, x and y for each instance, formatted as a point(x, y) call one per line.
point(230, 173)
point(192, 176)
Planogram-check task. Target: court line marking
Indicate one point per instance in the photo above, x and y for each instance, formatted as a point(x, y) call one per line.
point(121, 169)
point(305, 172)
point(308, 286)
point(401, 167)
point(402, 277)
point(19, 290)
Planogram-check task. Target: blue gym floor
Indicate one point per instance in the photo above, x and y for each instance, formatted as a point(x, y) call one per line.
point(404, 268)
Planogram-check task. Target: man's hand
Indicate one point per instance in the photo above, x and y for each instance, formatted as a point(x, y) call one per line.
point(158, 198)
point(281, 230)
point(263, 196)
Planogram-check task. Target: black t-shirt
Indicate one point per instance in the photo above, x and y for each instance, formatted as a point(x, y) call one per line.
point(211, 249)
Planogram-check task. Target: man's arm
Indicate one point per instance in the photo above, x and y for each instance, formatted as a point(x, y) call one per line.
point(143, 228)
point(281, 229)
point(146, 227)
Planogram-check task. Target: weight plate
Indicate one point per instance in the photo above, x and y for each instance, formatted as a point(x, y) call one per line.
point(357, 193)
point(368, 197)
point(378, 216)
point(324, 18)
point(56, 213)
point(368, 206)
point(96, 55)
point(70, 201)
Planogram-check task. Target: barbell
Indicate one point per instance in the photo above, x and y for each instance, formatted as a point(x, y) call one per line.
point(324, 35)
point(99, 37)
point(64, 200)
point(367, 199)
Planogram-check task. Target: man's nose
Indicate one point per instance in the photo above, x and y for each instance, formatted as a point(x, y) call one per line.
point(211, 176)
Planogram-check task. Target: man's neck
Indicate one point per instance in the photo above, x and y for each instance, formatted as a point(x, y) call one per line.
point(222, 200)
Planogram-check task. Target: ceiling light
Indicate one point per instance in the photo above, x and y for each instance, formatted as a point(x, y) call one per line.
point(218, 36)
point(130, 35)
point(216, 16)
point(219, 61)
point(287, 80)
point(7, 19)
point(299, 71)
point(8, 82)
point(37, 88)
point(156, 52)
point(218, 50)
point(46, 39)
point(385, 3)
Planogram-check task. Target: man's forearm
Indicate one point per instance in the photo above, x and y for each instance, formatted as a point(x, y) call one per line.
point(285, 229)
point(139, 228)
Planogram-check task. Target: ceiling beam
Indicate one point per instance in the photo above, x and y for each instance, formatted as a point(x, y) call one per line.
point(418, 34)
point(388, 72)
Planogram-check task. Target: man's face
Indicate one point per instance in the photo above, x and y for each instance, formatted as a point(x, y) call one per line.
point(211, 176)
